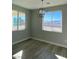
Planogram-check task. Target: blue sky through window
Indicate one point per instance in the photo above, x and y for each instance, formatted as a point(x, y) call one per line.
point(14, 20)
point(52, 21)
point(22, 18)
point(54, 16)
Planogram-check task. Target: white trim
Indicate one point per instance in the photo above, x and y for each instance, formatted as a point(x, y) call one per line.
point(20, 40)
point(49, 42)
point(39, 40)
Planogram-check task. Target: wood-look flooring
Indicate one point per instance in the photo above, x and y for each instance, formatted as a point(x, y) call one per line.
point(33, 49)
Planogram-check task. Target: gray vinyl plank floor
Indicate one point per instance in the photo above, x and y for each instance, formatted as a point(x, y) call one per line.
point(33, 49)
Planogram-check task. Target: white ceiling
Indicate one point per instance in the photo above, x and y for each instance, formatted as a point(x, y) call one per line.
point(35, 4)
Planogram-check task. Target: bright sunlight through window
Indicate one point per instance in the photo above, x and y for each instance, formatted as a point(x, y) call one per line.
point(52, 21)
point(14, 20)
point(21, 21)
point(18, 20)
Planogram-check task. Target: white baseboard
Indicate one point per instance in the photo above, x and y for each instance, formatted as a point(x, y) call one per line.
point(20, 40)
point(39, 40)
point(49, 42)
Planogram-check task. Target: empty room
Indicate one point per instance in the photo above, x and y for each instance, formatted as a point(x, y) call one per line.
point(39, 29)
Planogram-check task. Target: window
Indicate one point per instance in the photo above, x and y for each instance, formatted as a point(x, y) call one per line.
point(52, 21)
point(21, 21)
point(18, 20)
point(14, 20)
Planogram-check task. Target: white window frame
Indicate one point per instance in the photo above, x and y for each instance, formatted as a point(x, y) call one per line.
point(18, 12)
point(53, 27)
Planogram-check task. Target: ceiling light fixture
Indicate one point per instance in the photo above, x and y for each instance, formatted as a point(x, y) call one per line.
point(42, 11)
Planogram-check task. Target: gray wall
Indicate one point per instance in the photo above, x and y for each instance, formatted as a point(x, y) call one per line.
point(36, 27)
point(19, 35)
